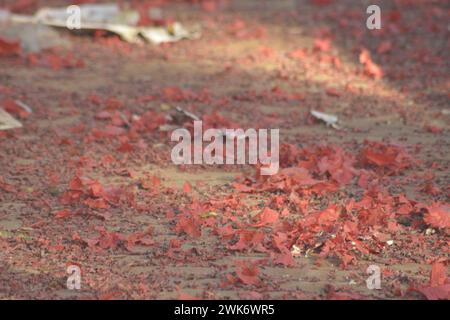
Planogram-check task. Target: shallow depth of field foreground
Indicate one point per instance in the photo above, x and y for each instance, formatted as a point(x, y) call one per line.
point(87, 180)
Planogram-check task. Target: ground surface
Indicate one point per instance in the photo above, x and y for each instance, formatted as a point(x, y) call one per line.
point(88, 180)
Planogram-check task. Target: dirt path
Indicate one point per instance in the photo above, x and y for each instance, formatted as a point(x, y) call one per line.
point(88, 180)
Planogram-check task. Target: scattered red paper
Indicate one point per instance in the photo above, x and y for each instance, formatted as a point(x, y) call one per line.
point(247, 272)
point(267, 218)
point(438, 216)
point(9, 47)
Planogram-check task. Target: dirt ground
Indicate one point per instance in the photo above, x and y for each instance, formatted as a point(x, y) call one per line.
point(89, 181)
